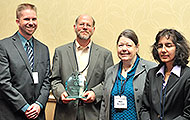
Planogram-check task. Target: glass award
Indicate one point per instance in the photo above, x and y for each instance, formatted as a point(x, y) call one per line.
point(76, 85)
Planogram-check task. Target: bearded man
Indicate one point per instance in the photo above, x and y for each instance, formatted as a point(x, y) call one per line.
point(91, 62)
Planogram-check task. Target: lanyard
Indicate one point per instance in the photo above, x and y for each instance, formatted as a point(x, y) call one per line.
point(162, 98)
point(74, 50)
point(121, 91)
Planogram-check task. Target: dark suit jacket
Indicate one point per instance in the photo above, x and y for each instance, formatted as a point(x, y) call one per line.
point(138, 86)
point(64, 64)
point(16, 81)
point(177, 96)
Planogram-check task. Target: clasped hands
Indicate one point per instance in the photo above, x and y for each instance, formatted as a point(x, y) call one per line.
point(33, 111)
point(90, 97)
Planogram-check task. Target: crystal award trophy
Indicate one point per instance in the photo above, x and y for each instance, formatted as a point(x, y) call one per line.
point(76, 85)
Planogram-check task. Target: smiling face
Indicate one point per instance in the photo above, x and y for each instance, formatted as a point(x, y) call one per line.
point(84, 27)
point(126, 49)
point(27, 23)
point(166, 50)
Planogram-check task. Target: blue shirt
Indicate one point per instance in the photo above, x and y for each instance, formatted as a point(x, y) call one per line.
point(129, 113)
point(23, 41)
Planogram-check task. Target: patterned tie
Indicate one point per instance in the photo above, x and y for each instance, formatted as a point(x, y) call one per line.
point(30, 54)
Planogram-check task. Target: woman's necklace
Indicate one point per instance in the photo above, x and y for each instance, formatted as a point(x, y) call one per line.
point(124, 72)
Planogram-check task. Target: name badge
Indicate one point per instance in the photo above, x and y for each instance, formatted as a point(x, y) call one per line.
point(35, 77)
point(120, 102)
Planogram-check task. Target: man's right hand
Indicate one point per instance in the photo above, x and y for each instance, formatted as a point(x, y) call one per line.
point(66, 100)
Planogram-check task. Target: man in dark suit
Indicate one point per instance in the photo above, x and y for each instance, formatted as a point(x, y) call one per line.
point(88, 58)
point(24, 70)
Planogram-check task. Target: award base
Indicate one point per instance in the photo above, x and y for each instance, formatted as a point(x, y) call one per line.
point(75, 97)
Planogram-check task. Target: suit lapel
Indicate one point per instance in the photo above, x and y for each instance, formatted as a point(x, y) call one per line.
point(72, 57)
point(140, 68)
point(93, 58)
point(17, 43)
point(114, 75)
point(173, 79)
point(171, 83)
point(158, 83)
point(111, 81)
point(37, 53)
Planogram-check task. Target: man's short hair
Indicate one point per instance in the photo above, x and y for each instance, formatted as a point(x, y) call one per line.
point(24, 6)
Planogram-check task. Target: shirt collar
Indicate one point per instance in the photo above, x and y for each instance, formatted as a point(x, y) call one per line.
point(78, 46)
point(175, 70)
point(24, 40)
point(131, 72)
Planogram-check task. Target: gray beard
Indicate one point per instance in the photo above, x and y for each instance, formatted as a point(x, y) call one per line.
point(84, 37)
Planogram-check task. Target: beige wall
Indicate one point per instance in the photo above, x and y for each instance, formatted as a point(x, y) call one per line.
point(145, 17)
point(56, 19)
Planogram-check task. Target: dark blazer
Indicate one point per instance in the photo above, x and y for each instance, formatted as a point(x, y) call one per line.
point(16, 81)
point(63, 65)
point(177, 96)
point(138, 86)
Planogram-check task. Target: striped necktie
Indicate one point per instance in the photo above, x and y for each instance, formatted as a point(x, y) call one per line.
point(30, 54)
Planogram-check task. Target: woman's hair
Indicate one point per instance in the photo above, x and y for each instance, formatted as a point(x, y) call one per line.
point(182, 48)
point(129, 34)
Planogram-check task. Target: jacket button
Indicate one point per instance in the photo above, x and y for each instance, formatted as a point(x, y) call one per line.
point(136, 89)
point(74, 104)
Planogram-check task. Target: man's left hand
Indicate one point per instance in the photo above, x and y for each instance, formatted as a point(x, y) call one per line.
point(90, 97)
point(33, 111)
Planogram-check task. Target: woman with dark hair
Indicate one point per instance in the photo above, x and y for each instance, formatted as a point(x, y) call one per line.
point(167, 88)
point(124, 82)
